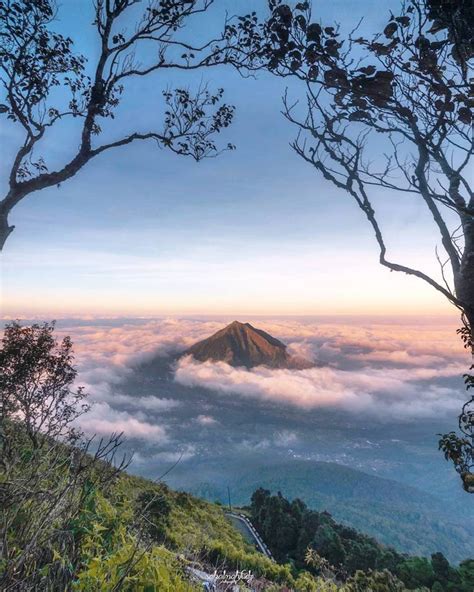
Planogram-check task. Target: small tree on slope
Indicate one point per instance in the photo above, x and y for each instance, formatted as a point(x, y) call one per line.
point(48, 470)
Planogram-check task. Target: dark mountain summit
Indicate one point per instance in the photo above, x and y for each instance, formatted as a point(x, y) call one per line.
point(240, 344)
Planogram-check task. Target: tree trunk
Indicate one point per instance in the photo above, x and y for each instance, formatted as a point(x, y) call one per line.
point(5, 228)
point(464, 279)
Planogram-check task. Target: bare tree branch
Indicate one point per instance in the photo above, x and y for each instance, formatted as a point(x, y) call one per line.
point(36, 60)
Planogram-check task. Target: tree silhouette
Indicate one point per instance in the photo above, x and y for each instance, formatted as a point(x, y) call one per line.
point(45, 82)
point(391, 115)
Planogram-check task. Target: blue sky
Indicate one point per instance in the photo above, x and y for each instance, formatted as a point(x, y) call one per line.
point(142, 231)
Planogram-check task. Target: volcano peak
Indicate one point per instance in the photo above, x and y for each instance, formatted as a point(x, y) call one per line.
point(241, 344)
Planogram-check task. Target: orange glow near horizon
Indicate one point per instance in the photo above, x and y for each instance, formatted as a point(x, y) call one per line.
point(404, 300)
point(96, 309)
point(68, 283)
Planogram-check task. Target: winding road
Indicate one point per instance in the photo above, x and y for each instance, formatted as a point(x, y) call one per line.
point(247, 529)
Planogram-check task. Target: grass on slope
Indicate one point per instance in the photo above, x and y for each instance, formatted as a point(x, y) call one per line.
point(199, 530)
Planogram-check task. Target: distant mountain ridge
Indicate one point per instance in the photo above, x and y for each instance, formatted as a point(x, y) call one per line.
point(241, 344)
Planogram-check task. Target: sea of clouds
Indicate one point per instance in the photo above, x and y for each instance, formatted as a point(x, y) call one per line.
point(391, 369)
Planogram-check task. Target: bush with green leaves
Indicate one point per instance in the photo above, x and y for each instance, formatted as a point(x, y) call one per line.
point(111, 557)
point(46, 465)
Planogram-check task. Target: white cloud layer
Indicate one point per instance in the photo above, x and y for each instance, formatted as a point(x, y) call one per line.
point(394, 369)
point(106, 355)
point(104, 420)
point(395, 392)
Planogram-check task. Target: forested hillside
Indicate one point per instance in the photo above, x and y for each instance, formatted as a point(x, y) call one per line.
point(123, 532)
point(315, 541)
point(403, 517)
